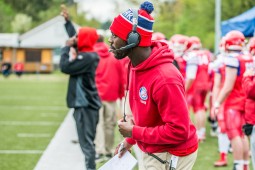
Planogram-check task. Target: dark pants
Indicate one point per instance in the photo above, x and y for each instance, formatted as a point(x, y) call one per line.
point(86, 122)
point(18, 73)
point(6, 73)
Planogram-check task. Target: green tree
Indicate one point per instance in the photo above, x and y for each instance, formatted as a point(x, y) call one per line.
point(189, 17)
point(30, 7)
point(232, 8)
point(6, 14)
point(195, 17)
point(21, 23)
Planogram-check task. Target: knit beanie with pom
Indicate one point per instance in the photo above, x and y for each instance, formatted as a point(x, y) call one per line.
point(122, 24)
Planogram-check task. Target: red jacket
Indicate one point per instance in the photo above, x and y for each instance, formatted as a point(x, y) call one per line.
point(109, 75)
point(157, 100)
point(249, 88)
point(125, 62)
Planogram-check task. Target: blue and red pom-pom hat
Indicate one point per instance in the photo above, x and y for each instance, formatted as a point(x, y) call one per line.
point(122, 24)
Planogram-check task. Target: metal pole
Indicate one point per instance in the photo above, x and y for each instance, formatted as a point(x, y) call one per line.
point(217, 25)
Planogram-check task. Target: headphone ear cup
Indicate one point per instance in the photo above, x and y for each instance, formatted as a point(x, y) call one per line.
point(133, 38)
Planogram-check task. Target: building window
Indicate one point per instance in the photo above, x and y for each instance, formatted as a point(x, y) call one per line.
point(33, 55)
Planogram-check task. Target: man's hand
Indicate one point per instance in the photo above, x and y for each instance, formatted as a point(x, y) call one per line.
point(215, 110)
point(122, 148)
point(213, 113)
point(71, 41)
point(64, 12)
point(125, 128)
point(72, 54)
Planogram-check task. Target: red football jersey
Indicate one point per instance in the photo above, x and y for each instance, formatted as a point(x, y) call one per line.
point(201, 59)
point(236, 98)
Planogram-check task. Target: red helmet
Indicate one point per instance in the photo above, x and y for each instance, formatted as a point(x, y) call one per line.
point(222, 44)
point(234, 40)
point(179, 43)
point(174, 37)
point(158, 36)
point(194, 43)
point(251, 46)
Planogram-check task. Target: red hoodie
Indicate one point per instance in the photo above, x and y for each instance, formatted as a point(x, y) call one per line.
point(87, 37)
point(249, 88)
point(125, 62)
point(109, 74)
point(157, 100)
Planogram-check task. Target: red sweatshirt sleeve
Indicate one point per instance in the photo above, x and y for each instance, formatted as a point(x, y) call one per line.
point(249, 87)
point(131, 141)
point(173, 109)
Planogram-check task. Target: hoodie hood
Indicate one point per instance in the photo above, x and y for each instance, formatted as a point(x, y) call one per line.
point(160, 54)
point(102, 49)
point(87, 38)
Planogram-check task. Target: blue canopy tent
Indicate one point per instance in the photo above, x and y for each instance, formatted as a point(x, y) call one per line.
point(244, 22)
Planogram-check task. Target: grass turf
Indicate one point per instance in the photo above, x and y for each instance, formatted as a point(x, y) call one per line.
point(31, 99)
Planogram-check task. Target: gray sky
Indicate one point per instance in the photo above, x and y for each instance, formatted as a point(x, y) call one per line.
point(102, 10)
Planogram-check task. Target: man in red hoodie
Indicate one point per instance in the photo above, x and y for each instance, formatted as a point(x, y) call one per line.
point(160, 125)
point(110, 84)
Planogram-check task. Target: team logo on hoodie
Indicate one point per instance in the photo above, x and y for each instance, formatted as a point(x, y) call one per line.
point(143, 93)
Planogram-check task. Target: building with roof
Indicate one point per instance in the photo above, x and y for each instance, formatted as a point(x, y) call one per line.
point(8, 45)
point(38, 49)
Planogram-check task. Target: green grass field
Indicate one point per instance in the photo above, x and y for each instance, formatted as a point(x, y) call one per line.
point(35, 104)
point(32, 104)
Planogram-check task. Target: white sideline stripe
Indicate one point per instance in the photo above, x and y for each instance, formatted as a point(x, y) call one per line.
point(33, 135)
point(50, 115)
point(34, 107)
point(21, 151)
point(61, 153)
point(24, 123)
point(25, 98)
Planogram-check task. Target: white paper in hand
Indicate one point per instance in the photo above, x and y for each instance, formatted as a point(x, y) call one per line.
point(126, 162)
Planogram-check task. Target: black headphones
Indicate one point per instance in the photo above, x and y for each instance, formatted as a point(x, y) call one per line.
point(134, 37)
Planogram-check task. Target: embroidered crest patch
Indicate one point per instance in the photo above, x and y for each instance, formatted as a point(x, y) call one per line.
point(143, 93)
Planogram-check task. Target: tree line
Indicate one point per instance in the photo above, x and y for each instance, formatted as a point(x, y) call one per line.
point(189, 17)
